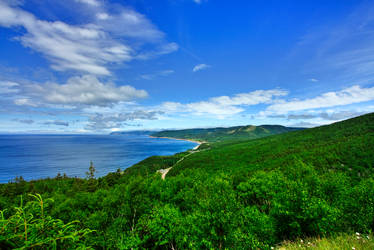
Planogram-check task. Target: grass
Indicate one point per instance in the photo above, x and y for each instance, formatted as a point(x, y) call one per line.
point(340, 242)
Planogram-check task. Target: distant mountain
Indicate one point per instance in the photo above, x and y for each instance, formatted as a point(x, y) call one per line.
point(138, 132)
point(226, 134)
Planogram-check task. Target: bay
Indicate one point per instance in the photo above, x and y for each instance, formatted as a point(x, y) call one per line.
point(41, 156)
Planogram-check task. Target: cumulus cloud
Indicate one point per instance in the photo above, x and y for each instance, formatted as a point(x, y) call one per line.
point(108, 38)
point(200, 67)
point(57, 122)
point(84, 90)
point(223, 106)
point(117, 120)
point(354, 94)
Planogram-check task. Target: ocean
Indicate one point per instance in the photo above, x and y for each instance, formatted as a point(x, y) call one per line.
point(41, 156)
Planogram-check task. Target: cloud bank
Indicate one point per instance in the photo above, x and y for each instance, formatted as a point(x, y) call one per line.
point(118, 120)
point(84, 90)
point(354, 94)
point(224, 106)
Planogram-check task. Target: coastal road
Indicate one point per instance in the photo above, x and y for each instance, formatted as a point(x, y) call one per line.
point(165, 171)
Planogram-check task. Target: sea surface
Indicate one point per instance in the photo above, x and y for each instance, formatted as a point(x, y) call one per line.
point(41, 156)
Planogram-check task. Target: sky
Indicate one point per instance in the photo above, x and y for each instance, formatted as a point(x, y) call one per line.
point(97, 66)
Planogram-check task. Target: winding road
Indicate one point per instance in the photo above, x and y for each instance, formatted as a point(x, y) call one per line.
point(165, 171)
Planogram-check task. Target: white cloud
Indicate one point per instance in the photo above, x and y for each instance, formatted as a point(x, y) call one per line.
point(57, 122)
point(118, 120)
point(89, 2)
point(219, 110)
point(313, 80)
point(108, 38)
point(172, 106)
point(197, 1)
point(161, 50)
point(354, 94)
point(251, 98)
point(200, 67)
point(224, 106)
point(25, 102)
point(156, 74)
point(7, 87)
point(25, 121)
point(330, 115)
point(85, 90)
point(304, 125)
point(102, 16)
point(128, 23)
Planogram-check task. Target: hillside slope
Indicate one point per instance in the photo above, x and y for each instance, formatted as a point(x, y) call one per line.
point(346, 146)
point(225, 134)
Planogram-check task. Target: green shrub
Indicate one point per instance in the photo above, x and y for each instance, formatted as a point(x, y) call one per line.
point(31, 227)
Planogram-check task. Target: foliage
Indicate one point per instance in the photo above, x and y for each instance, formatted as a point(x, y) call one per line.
point(31, 227)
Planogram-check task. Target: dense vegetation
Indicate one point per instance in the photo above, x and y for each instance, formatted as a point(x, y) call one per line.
point(225, 134)
point(240, 195)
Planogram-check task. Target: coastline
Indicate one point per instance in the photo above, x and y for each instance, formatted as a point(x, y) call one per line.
point(74, 164)
point(195, 148)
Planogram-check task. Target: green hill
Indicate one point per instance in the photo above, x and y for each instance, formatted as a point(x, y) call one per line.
point(225, 134)
point(343, 146)
point(252, 194)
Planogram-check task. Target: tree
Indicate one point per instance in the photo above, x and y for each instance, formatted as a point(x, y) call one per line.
point(92, 182)
point(91, 171)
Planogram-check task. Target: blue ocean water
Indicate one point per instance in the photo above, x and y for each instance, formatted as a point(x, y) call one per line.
point(41, 156)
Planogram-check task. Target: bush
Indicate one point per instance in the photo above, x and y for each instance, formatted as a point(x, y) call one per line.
point(31, 227)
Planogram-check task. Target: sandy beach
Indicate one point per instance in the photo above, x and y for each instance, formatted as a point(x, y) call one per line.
point(195, 148)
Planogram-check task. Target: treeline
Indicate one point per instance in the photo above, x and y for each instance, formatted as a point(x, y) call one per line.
point(248, 195)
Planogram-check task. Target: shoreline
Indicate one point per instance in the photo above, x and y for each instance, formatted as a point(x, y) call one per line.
point(163, 137)
point(77, 175)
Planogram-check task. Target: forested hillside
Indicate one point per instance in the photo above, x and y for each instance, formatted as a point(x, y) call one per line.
point(225, 134)
point(345, 146)
point(239, 195)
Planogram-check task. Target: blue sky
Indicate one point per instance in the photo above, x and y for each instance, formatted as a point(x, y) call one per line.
point(95, 66)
